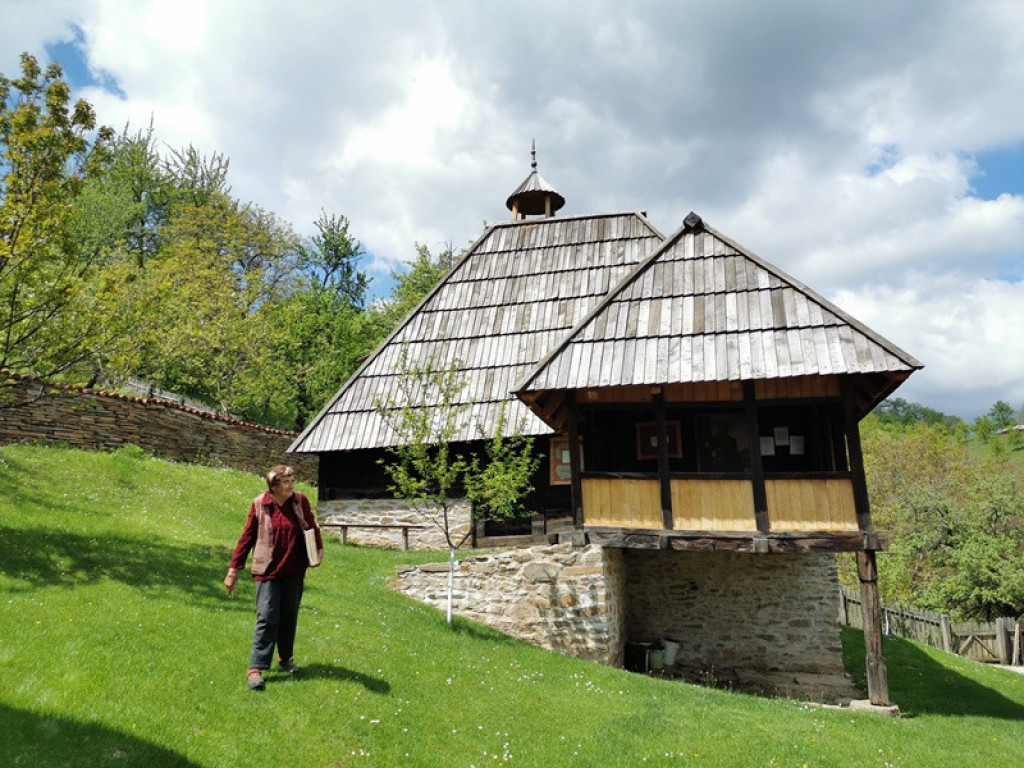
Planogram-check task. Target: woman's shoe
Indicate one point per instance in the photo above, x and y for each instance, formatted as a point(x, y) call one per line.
point(255, 680)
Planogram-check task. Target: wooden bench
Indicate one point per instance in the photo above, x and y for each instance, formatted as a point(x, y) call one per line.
point(403, 527)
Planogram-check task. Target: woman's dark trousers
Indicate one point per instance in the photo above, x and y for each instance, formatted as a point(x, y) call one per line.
point(277, 616)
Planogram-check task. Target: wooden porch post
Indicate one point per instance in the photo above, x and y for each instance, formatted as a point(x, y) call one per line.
point(663, 478)
point(878, 674)
point(576, 483)
point(756, 467)
point(867, 568)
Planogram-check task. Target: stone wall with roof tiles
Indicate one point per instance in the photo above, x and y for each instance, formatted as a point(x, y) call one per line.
point(31, 411)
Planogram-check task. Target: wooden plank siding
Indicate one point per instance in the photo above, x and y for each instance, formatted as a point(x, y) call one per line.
point(811, 504)
point(622, 502)
point(712, 505)
point(823, 505)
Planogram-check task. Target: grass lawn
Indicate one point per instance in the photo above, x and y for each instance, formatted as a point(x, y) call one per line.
point(121, 649)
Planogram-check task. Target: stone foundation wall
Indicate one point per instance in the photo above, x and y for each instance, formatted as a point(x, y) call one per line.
point(563, 598)
point(738, 616)
point(375, 512)
point(33, 412)
point(767, 623)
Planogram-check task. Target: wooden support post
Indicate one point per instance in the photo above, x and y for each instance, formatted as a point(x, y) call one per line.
point(575, 464)
point(871, 609)
point(663, 479)
point(857, 477)
point(756, 468)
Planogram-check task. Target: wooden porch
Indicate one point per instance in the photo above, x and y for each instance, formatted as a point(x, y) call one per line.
point(804, 514)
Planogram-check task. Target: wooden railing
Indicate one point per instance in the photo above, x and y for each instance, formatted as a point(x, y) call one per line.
point(720, 504)
point(712, 505)
point(622, 502)
point(811, 504)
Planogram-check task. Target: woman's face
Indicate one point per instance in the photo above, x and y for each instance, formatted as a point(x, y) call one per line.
point(285, 485)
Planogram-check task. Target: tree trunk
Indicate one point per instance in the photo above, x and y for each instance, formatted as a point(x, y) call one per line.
point(451, 581)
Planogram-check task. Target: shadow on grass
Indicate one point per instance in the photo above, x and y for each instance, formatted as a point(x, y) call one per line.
point(38, 740)
point(334, 672)
point(477, 631)
point(41, 558)
point(921, 684)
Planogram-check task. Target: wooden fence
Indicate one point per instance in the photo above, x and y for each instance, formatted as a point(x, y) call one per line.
point(994, 642)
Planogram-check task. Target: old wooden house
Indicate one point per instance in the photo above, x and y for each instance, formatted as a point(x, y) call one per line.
point(698, 409)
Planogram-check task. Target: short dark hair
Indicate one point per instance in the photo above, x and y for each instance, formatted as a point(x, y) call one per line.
point(276, 473)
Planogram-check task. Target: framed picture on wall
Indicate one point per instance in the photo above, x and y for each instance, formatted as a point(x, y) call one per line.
point(647, 440)
point(561, 466)
point(722, 443)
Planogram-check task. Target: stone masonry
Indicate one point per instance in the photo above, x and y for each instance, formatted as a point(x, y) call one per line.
point(755, 621)
point(81, 418)
point(560, 597)
point(377, 514)
point(758, 622)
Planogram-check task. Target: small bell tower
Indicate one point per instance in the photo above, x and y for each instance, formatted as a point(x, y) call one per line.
point(535, 196)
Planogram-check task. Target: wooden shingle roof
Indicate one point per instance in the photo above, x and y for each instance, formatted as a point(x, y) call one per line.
point(704, 309)
point(512, 298)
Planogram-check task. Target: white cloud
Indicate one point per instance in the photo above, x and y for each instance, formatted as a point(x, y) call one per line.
point(965, 330)
point(834, 139)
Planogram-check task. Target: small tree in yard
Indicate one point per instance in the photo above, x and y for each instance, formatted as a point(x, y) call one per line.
point(427, 473)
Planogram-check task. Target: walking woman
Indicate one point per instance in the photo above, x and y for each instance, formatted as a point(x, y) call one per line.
point(274, 532)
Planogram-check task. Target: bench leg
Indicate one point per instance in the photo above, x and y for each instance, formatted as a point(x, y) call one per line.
point(405, 539)
point(344, 535)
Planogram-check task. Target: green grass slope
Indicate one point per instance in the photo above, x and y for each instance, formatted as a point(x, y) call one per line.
point(121, 649)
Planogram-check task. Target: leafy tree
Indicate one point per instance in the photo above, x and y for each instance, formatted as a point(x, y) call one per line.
point(984, 429)
point(429, 473)
point(192, 315)
point(47, 156)
point(1002, 415)
point(330, 261)
point(316, 328)
point(898, 412)
point(956, 523)
point(412, 284)
point(125, 207)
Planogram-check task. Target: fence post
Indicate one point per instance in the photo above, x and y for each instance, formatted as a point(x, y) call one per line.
point(1018, 630)
point(1003, 640)
point(947, 633)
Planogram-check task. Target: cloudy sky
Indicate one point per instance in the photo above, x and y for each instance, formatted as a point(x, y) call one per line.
point(873, 150)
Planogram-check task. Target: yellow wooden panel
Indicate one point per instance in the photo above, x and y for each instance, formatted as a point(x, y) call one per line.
point(713, 505)
point(622, 502)
point(811, 505)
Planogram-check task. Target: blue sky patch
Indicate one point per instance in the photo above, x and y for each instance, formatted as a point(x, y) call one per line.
point(70, 54)
point(999, 171)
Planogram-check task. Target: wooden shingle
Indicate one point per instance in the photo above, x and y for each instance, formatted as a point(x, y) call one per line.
point(512, 297)
point(703, 309)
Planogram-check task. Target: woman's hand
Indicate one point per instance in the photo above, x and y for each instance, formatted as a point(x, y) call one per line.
point(229, 581)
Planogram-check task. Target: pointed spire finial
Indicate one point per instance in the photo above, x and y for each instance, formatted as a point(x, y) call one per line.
point(534, 197)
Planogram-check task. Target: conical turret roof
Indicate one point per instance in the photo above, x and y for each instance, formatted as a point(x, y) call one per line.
point(535, 196)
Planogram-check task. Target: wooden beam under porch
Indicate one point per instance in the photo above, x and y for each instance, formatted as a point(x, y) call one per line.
point(731, 541)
